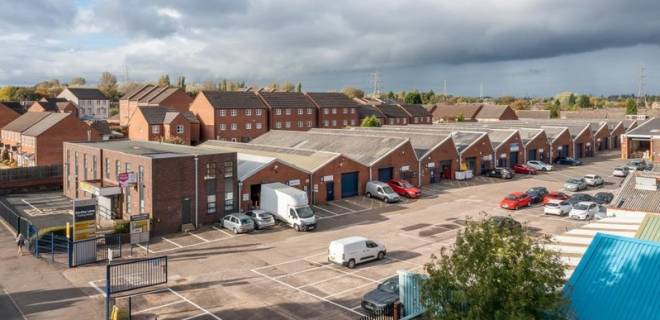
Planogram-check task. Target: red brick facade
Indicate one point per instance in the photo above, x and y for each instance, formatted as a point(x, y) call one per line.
point(338, 117)
point(434, 166)
point(503, 155)
point(541, 144)
point(276, 171)
point(584, 144)
point(564, 140)
point(290, 111)
point(482, 153)
point(7, 115)
point(403, 162)
point(602, 139)
point(336, 168)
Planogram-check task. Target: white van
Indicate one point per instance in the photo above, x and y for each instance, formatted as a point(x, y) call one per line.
point(289, 205)
point(353, 250)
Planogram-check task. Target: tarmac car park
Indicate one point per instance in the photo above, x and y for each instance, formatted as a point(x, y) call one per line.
point(278, 273)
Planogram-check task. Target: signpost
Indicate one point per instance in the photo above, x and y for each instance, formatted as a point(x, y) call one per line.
point(84, 219)
point(127, 178)
point(140, 230)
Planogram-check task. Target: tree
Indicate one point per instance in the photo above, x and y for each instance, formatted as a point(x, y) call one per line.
point(519, 104)
point(554, 109)
point(505, 100)
point(352, 92)
point(208, 85)
point(299, 88)
point(583, 101)
point(370, 121)
point(77, 82)
point(571, 100)
point(108, 85)
point(287, 87)
point(631, 106)
point(413, 97)
point(7, 93)
point(496, 271)
point(181, 83)
point(460, 118)
point(164, 80)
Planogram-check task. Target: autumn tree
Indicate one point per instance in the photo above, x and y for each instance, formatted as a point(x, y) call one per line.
point(108, 85)
point(164, 80)
point(77, 82)
point(370, 121)
point(287, 87)
point(352, 92)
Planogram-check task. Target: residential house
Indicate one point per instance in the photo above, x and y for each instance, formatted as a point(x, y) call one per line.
point(53, 105)
point(492, 112)
point(90, 102)
point(165, 125)
point(290, 110)
point(394, 114)
point(335, 110)
point(417, 114)
point(152, 96)
point(9, 111)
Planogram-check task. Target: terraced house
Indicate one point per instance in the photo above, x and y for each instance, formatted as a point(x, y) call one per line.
point(290, 110)
point(90, 102)
point(152, 96)
point(335, 110)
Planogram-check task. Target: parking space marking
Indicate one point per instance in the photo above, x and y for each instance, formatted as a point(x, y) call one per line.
point(325, 210)
point(172, 242)
point(158, 307)
point(290, 261)
point(195, 316)
point(91, 283)
point(329, 266)
point(14, 303)
point(223, 231)
point(366, 284)
point(198, 237)
point(341, 207)
point(316, 267)
point(371, 203)
point(194, 304)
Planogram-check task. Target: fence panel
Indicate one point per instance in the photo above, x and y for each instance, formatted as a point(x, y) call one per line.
point(26, 173)
point(125, 276)
point(390, 312)
point(95, 250)
point(11, 218)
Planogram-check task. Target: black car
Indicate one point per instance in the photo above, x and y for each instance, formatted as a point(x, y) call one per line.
point(504, 222)
point(639, 164)
point(569, 161)
point(603, 197)
point(502, 173)
point(381, 300)
point(580, 197)
point(537, 193)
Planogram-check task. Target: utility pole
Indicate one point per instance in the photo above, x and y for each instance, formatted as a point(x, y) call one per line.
point(444, 89)
point(481, 90)
point(377, 85)
point(641, 95)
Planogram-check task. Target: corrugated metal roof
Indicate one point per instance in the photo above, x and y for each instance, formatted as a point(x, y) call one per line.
point(492, 111)
point(650, 228)
point(248, 164)
point(46, 123)
point(650, 128)
point(150, 149)
point(617, 279)
point(632, 199)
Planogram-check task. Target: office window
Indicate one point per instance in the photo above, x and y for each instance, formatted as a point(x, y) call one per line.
point(234, 126)
point(345, 123)
point(234, 112)
point(258, 126)
point(248, 112)
point(344, 110)
point(300, 124)
point(179, 129)
point(107, 167)
point(301, 111)
point(326, 111)
point(278, 125)
point(94, 167)
point(223, 127)
point(155, 129)
point(85, 167)
point(288, 124)
point(258, 112)
point(334, 123)
point(229, 201)
point(210, 204)
point(229, 169)
point(117, 169)
point(278, 112)
point(210, 170)
point(326, 123)
point(222, 112)
point(309, 123)
point(287, 111)
point(353, 122)
point(248, 126)
point(334, 110)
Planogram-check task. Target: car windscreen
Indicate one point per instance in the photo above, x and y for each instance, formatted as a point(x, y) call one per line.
point(406, 184)
point(573, 181)
point(551, 204)
point(391, 286)
point(581, 206)
point(263, 215)
point(387, 189)
point(245, 221)
point(305, 212)
point(512, 197)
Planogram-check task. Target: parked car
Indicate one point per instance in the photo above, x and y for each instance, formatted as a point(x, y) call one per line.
point(620, 171)
point(504, 222)
point(557, 207)
point(580, 197)
point(575, 184)
point(350, 251)
point(593, 180)
point(524, 169)
point(382, 191)
point(603, 197)
point(515, 201)
point(381, 300)
point(238, 223)
point(638, 164)
point(569, 161)
point(261, 219)
point(585, 210)
point(404, 188)
point(537, 193)
point(555, 195)
point(502, 173)
point(539, 165)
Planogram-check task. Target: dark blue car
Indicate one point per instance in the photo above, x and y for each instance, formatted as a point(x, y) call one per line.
point(569, 161)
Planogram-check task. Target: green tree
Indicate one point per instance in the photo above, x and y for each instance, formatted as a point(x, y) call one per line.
point(181, 83)
point(164, 80)
point(495, 271)
point(631, 106)
point(571, 100)
point(505, 100)
point(108, 85)
point(583, 101)
point(25, 93)
point(554, 109)
point(299, 88)
point(460, 118)
point(352, 92)
point(7, 93)
point(287, 87)
point(413, 97)
point(390, 95)
point(370, 121)
point(77, 82)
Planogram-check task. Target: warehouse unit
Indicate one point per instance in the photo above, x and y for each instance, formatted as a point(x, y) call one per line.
point(616, 129)
point(642, 142)
point(328, 175)
point(386, 157)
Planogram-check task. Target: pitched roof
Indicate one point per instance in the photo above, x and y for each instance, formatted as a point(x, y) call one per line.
point(160, 115)
point(630, 198)
point(493, 111)
point(25, 121)
point(287, 100)
point(500, 136)
point(363, 149)
point(249, 164)
point(468, 110)
point(54, 104)
point(45, 124)
point(233, 100)
point(616, 279)
point(416, 110)
point(392, 110)
point(649, 229)
point(101, 126)
point(649, 128)
point(533, 114)
point(14, 105)
point(332, 100)
point(88, 93)
point(135, 91)
point(365, 110)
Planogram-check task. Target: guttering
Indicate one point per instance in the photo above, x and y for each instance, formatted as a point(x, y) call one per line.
point(196, 192)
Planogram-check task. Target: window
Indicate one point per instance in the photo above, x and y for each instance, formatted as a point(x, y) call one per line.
point(179, 129)
point(155, 129)
point(258, 112)
point(326, 111)
point(353, 122)
point(344, 110)
point(416, 120)
point(288, 124)
point(223, 127)
point(326, 123)
point(234, 112)
point(300, 124)
point(404, 120)
point(391, 121)
point(85, 167)
point(310, 110)
point(287, 111)
point(334, 123)
point(210, 170)
point(222, 113)
point(248, 112)
point(229, 169)
point(94, 167)
point(107, 167)
point(128, 190)
point(234, 126)
point(229, 201)
point(210, 204)
point(68, 167)
point(278, 125)
point(345, 123)
point(309, 123)
point(248, 126)
point(352, 110)
point(210, 194)
point(334, 110)
point(301, 111)
point(258, 126)
point(278, 112)
point(117, 169)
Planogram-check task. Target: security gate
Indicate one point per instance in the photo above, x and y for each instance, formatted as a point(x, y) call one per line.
point(94, 250)
point(349, 184)
point(131, 275)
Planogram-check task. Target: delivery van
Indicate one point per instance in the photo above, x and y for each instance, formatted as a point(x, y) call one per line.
point(354, 250)
point(289, 205)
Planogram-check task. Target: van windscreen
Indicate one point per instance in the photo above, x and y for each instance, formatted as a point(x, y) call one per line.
point(305, 212)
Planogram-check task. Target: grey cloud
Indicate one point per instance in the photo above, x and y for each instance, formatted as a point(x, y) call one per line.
point(27, 16)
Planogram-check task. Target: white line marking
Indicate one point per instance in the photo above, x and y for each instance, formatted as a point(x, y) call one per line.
point(195, 316)
point(342, 207)
point(328, 266)
point(145, 249)
point(223, 231)
point(355, 203)
point(198, 237)
point(326, 210)
point(194, 304)
point(357, 307)
point(364, 285)
point(299, 272)
point(33, 207)
point(291, 261)
point(161, 306)
point(91, 283)
point(404, 261)
point(343, 214)
point(14, 303)
point(172, 242)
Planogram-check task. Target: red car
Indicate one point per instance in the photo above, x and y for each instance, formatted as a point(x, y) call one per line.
point(523, 168)
point(555, 195)
point(516, 200)
point(404, 188)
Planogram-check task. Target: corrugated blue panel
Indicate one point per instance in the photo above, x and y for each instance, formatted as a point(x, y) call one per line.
point(409, 294)
point(617, 278)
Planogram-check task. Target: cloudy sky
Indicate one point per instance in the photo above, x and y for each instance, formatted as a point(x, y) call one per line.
point(511, 47)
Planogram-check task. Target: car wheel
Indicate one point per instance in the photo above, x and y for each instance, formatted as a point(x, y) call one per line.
point(381, 255)
point(516, 208)
point(296, 227)
point(351, 264)
point(386, 200)
point(369, 195)
point(235, 230)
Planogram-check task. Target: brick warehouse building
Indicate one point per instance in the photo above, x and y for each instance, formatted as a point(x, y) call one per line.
point(537, 145)
point(290, 111)
point(231, 116)
point(335, 110)
point(151, 96)
point(176, 185)
point(616, 129)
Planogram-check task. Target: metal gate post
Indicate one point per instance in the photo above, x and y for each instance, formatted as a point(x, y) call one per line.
point(69, 251)
point(130, 308)
point(52, 247)
point(107, 291)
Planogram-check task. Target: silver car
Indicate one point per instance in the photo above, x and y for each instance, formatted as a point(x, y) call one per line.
point(539, 165)
point(261, 219)
point(620, 171)
point(593, 180)
point(238, 223)
point(584, 211)
point(575, 184)
point(381, 190)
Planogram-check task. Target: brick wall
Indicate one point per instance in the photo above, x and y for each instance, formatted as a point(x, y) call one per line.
point(478, 150)
point(505, 151)
point(274, 172)
point(587, 141)
point(49, 143)
point(564, 139)
point(540, 142)
point(248, 124)
point(338, 117)
point(336, 168)
point(446, 151)
point(7, 115)
point(291, 119)
point(403, 156)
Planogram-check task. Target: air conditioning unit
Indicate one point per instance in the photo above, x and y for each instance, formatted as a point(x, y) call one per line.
point(646, 183)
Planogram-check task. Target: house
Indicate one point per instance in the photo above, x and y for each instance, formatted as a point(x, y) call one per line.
point(394, 114)
point(455, 112)
point(153, 96)
point(9, 111)
point(335, 110)
point(53, 105)
point(492, 112)
point(165, 125)
point(643, 141)
point(366, 110)
point(90, 102)
point(289, 110)
point(230, 116)
point(35, 139)
point(179, 187)
point(102, 127)
point(417, 114)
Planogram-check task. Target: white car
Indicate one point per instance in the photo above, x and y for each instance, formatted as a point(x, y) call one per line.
point(585, 210)
point(557, 207)
point(620, 171)
point(539, 165)
point(353, 250)
point(593, 180)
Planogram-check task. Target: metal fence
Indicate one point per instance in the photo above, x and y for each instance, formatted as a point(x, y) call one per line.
point(94, 250)
point(28, 173)
point(131, 275)
point(390, 312)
